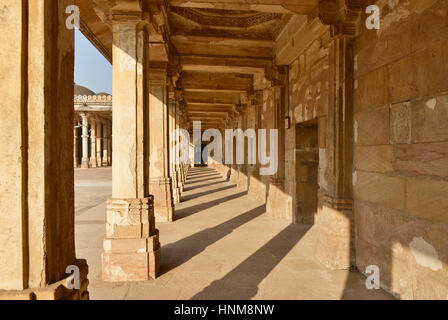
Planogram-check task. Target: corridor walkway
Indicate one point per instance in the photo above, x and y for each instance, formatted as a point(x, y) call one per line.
point(221, 246)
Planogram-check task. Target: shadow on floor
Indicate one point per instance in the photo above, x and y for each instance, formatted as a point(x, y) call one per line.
point(200, 194)
point(242, 282)
point(208, 178)
point(203, 185)
point(185, 212)
point(201, 240)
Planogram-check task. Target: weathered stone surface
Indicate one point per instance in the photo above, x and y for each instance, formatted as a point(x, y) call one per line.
point(278, 203)
point(406, 250)
point(429, 119)
point(372, 127)
point(372, 90)
point(400, 122)
point(131, 248)
point(335, 243)
point(429, 79)
point(380, 189)
point(423, 159)
point(257, 189)
point(374, 158)
point(427, 199)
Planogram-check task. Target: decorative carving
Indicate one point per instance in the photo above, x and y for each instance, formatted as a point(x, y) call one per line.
point(225, 19)
point(344, 16)
point(87, 32)
point(92, 99)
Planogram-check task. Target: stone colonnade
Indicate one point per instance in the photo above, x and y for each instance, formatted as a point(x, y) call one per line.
point(92, 141)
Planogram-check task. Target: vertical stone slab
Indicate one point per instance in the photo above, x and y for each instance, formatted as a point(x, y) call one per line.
point(172, 155)
point(105, 160)
point(160, 184)
point(85, 142)
point(36, 131)
point(257, 189)
point(93, 153)
point(279, 203)
point(99, 139)
point(75, 147)
point(131, 248)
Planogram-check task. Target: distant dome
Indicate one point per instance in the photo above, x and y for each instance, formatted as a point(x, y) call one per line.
point(103, 94)
point(83, 91)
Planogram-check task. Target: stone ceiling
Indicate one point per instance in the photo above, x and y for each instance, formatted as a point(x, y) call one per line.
point(218, 45)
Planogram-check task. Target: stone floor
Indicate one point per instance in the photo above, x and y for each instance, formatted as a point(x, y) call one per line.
point(221, 246)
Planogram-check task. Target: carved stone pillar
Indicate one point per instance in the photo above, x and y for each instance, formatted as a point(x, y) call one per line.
point(131, 248)
point(179, 170)
point(93, 163)
point(257, 188)
point(278, 203)
point(105, 158)
point(75, 146)
point(99, 139)
point(335, 219)
point(172, 155)
point(36, 166)
point(160, 183)
point(85, 142)
point(243, 182)
point(234, 167)
point(109, 144)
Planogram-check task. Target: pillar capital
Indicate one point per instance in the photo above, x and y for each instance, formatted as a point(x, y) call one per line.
point(343, 16)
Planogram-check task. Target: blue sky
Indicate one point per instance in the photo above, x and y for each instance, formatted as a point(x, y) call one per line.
point(92, 70)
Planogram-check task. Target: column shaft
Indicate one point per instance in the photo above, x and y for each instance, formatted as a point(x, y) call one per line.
point(75, 146)
point(160, 181)
point(93, 163)
point(99, 138)
point(36, 168)
point(85, 142)
point(105, 161)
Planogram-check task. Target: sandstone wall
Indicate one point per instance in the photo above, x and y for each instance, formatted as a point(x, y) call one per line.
point(309, 98)
point(400, 178)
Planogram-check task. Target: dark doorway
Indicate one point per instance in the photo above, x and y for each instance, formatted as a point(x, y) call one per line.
point(307, 166)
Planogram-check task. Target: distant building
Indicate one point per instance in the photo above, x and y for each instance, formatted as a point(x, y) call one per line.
point(92, 128)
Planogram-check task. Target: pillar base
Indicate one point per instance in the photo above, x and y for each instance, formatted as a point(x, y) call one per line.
point(278, 202)
point(93, 163)
point(257, 189)
point(56, 291)
point(85, 164)
point(234, 175)
point(335, 241)
point(161, 189)
point(132, 247)
point(242, 183)
point(180, 184)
